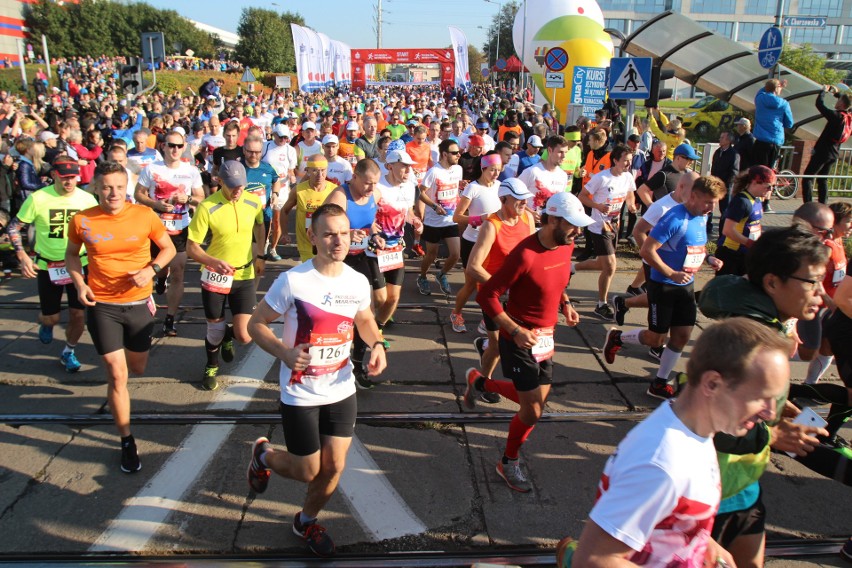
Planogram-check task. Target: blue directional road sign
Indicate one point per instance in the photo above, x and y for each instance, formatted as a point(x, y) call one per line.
point(556, 59)
point(769, 49)
point(629, 77)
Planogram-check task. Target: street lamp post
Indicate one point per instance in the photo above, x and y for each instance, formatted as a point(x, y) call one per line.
point(499, 28)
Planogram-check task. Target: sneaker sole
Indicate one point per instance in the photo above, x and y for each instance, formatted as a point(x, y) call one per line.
point(603, 349)
point(657, 396)
point(468, 400)
point(132, 470)
point(603, 317)
point(509, 485)
point(259, 441)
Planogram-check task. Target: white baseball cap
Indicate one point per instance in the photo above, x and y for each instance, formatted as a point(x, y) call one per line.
point(568, 207)
point(352, 125)
point(330, 139)
point(281, 130)
point(308, 125)
point(515, 188)
point(399, 157)
point(535, 142)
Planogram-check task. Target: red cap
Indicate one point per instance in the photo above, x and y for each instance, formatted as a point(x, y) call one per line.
point(476, 140)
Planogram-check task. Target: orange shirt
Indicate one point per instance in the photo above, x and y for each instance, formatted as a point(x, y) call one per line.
point(420, 153)
point(501, 132)
point(116, 245)
point(836, 268)
point(505, 240)
point(594, 166)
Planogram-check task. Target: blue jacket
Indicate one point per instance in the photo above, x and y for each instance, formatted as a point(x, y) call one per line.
point(772, 115)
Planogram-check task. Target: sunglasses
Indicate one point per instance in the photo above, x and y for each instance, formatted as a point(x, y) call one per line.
point(173, 145)
point(456, 153)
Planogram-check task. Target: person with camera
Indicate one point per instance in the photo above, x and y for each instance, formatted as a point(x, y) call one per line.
point(827, 148)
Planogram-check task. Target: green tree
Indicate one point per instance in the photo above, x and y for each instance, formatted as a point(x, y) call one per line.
point(474, 60)
point(53, 20)
point(266, 41)
point(812, 65)
point(501, 23)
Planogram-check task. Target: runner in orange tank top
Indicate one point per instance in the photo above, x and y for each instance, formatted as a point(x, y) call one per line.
point(501, 232)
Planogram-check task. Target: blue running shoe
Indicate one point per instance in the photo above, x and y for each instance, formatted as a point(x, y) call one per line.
point(45, 334)
point(69, 359)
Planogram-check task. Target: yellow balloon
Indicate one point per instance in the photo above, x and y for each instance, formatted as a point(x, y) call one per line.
point(581, 53)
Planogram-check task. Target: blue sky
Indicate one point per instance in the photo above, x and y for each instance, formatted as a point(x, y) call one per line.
point(408, 23)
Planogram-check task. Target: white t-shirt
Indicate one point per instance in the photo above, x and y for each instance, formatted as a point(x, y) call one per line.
point(511, 168)
point(542, 184)
point(304, 152)
point(660, 491)
point(319, 310)
point(213, 141)
point(163, 183)
point(604, 187)
point(442, 187)
point(282, 158)
point(339, 171)
point(392, 209)
point(483, 202)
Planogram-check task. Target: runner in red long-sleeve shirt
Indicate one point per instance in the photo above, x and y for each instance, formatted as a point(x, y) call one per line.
point(535, 274)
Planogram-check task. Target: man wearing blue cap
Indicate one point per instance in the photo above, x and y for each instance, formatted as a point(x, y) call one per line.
point(665, 181)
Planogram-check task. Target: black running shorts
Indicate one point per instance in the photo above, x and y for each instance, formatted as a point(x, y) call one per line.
point(522, 369)
point(241, 300)
point(435, 235)
point(50, 295)
point(304, 426)
point(728, 526)
point(670, 306)
point(120, 326)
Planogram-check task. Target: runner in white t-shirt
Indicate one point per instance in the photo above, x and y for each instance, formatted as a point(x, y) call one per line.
point(307, 147)
point(660, 490)
point(321, 302)
point(547, 177)
point(439, 190)
point(605, 193)
point(339, 170)
point(170, 188)
point(478, 200)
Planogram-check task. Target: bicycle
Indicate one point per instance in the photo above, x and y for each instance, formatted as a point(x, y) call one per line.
point(786, 185)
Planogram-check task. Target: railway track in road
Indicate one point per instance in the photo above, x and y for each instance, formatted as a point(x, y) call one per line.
point(780, 548)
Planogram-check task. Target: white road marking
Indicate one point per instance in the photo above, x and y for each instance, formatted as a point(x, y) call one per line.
point(380, 510)
point(142, 516)
point(376, 505)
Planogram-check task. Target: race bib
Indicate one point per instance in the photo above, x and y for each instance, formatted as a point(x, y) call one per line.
point(173, 222)
point(390, 259)
point(308, 220)
point(754, 231)
point(839, 275)
point(214, 282)
point(361, 246)
point(543, 348)
point(59, 274)
point(329, 352)
point(694, 258)
point(447, 198)
point(614, 206)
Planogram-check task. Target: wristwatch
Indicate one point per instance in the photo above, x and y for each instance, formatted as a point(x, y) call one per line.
point(156, 267)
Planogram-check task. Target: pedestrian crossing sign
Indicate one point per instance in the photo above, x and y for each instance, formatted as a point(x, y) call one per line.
point(630, 77)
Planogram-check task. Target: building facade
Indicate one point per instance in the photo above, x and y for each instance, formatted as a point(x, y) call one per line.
point(746, 20)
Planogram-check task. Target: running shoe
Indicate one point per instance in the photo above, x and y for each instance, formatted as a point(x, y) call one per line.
point(443, 283)
point(69, 359)
point(846, 551)
point(604, 311)
point(634, 291)
point(362, 381)
point(481, 344)
point(423, 286)
point(418, 250)
point(209, 382)
point(315, 537)
point(513, 476)
point(662, 390)
point(656, 353)
point(471, 376)
point(161, 285)
point(457, 321)
point(565, 552)
point(228, 350)
point(257, 473)
point(481, 329)
point(169, 329)
point(45, 333)
point(620, 308)
point(130, 457)
point(273, 255)
point(612, 345)
point(767, 208)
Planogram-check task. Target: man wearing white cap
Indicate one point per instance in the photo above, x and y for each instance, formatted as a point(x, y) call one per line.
point(307, 147)
point(339, 170)
point(535, 274)
point(525, 158)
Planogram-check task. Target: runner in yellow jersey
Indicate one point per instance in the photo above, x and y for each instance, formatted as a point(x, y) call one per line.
point(306, 198)
point(232, 216)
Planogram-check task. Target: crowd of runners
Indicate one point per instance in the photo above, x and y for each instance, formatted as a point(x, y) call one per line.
point(104, 201)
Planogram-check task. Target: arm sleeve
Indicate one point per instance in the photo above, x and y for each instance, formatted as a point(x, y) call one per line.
point(665, 228)
point(279, 297)
point(74, 233)
point(788, 116)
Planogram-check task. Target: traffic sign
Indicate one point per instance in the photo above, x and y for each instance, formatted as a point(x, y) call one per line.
point(629, 77)
point(769, 49)
point(501, 64)
point(556, 59)
point(816, 22)
point(485, 72)
point(553, 80)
